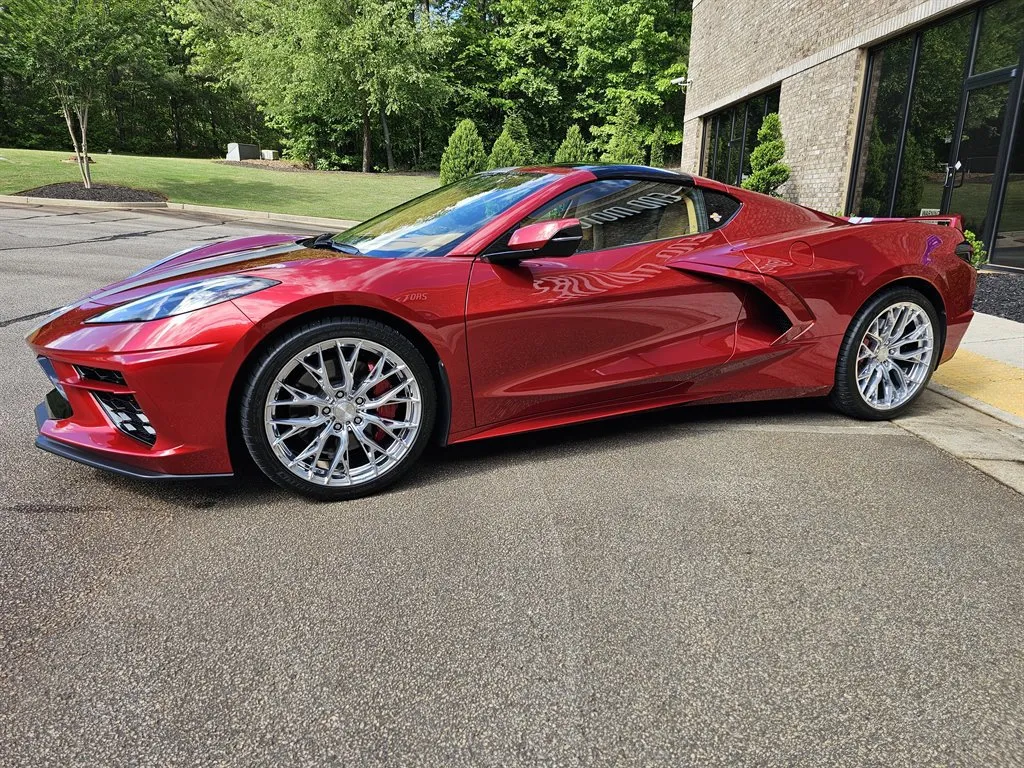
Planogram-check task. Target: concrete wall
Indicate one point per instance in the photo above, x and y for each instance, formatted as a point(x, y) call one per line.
point(817, 51)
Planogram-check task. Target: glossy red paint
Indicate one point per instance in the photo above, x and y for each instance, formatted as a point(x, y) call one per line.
point(756, 309)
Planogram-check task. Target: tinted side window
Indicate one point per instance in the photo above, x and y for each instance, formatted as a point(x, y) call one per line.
point(720, 208)
point(617, 212)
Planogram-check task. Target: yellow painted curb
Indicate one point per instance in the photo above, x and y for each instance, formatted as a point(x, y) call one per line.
point(990, 381)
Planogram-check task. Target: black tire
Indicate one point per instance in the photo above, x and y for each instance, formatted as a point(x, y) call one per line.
point(846, 396)
point(272, 361)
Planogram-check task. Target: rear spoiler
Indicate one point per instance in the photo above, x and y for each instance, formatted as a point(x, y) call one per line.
point(953, 220)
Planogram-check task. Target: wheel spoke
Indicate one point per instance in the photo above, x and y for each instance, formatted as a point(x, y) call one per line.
point(370, 447)
point(914, 356)
point(388, 398)
point(298, 397)
point(314, 447)
point(348, 365)
point(300, 421)
point(389, 425)
point(340, 457)
point(319, 375)
point(895, 372)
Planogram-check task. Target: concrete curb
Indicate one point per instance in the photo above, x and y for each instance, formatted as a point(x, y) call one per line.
point(234, 213)
point(57, 203)
point(978, 405)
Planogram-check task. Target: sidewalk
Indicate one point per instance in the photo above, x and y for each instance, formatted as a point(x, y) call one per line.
point(988, 369)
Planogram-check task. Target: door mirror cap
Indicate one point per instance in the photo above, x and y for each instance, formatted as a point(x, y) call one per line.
point(558, 237)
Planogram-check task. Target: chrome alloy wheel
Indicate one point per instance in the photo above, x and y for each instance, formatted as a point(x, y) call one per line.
point(894, 358)
point(343, 412)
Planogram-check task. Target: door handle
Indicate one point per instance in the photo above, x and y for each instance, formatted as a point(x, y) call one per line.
point(951, 172)
point(958, 182)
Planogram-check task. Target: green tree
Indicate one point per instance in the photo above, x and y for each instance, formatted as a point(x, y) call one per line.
point(465, 153)
point(79, 47)
point(629, 51)
point(574, 149)
point(512, 147)
point(626, 144)
point(768, 172)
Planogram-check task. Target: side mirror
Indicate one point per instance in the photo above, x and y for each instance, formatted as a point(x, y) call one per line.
point(558, 237)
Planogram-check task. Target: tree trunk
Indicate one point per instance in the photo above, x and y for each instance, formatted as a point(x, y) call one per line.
point(83, 122)
point(176, 122)
point(213, 133)
point(82, 166)
point(366, 139)
point(387, 139)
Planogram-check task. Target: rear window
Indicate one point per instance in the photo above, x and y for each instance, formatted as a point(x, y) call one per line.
point(720, 208)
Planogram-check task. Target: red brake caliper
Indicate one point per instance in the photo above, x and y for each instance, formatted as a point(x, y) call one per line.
point(385, 411)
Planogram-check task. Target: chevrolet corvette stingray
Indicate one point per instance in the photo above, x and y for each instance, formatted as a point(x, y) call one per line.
point(513, 300)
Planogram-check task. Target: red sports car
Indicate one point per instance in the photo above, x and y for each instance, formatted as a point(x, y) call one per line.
point(512, 300)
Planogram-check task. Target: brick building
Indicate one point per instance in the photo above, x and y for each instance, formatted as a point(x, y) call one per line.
point(879, 101)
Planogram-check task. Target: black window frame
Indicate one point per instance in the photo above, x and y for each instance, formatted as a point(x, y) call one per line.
point(710, 162)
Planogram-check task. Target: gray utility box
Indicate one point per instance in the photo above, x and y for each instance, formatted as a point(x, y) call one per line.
point(243, 152)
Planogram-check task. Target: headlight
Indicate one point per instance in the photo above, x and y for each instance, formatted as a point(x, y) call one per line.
point(184, 298)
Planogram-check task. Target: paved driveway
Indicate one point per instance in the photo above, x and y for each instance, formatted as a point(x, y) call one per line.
point(760, 585)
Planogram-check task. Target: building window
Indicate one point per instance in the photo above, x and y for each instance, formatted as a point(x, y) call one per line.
point(937, 126)
point(731, 135)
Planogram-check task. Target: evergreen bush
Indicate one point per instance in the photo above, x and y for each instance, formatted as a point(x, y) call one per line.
point(464, 155)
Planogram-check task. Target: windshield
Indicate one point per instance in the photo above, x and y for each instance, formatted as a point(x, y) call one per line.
point(435, 223)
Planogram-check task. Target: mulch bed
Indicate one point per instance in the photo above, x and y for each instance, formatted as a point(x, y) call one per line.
point(1001, 294)
point(107, 193)
point(270, 165)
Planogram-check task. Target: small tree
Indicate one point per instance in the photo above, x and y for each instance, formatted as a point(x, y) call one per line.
point(574, 149)
point(626, 144)
point(464, 155)
point(657, 142)
point(512, 147)
point(768, 172)
point(76, 46)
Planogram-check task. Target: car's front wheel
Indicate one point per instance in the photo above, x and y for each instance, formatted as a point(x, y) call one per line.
point(887, 356)
point(339, 408)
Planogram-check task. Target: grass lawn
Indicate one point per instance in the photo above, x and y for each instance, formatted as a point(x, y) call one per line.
point(205, 182)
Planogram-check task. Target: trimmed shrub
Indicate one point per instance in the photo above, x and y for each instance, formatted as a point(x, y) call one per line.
point(980, 254)
point(574, 149)
point(768, 172)
point(464, 155)
point(512, 147)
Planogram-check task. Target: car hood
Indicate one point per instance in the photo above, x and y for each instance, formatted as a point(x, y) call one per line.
point(230, 256)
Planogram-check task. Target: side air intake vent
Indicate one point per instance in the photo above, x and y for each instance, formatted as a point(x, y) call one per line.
point(765, 312)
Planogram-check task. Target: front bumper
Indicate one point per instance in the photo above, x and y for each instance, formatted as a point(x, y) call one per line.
point(175, 376)
point(45, 411)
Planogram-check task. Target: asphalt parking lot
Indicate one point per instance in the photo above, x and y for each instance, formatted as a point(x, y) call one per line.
point(757, 585)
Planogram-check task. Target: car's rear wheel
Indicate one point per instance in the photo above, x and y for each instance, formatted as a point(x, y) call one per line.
point(887, 356)
point(339, 408)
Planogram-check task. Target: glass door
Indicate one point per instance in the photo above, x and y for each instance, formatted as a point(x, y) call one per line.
point(985, 177)
point(972, 175)
point(1008, 242)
